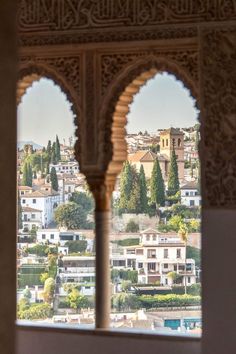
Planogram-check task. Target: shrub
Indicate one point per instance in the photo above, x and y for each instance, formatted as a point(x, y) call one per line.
point(35, 312)
point(132, 226)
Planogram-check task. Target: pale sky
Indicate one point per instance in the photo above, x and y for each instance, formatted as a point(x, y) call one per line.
point(161, 103)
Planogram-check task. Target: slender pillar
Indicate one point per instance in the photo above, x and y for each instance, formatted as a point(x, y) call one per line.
point(102, 195)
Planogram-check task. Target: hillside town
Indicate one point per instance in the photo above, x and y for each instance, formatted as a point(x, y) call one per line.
point(154, 240)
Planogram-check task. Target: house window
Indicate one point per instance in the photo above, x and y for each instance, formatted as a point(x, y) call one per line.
point(34, 201)
point(140, 265)
point(23, 201)
point(187, 194)
point(166, 252)
point(33, 216)
point(43, 236)
point(178, 253)
point(166, 142)
point(166, 266)
point(52, 236)
point(151, 253)
point(151, 267)
point(191, 202)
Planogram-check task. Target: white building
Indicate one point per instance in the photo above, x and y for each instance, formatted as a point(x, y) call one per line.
point(46, 201)
point(78, 269)
point(48, 235)
point(31, 218)
point(190, 195)
point(155, 258)
point(57, 236)
point(66, 167)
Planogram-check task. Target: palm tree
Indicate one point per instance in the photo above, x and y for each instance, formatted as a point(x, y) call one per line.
point(183, 233)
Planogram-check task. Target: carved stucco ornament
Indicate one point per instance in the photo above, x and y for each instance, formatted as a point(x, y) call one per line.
point(218, 106)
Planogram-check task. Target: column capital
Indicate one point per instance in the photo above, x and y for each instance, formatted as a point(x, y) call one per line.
point(102, 188)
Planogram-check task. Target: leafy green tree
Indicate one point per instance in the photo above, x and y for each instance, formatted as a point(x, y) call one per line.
point(25, 175)
point(49, 289)
point(195, 253)
point(30, 176)
point(126, 285)
point(132, 226)
point(134, 202)
point(76, 246)
point(71, 215)
point(173, 177)
point(125, 301)
point(76, 300)
point(53, 178)
point(58, 149)
point(143, 191)
point(52, 265)
point(125, 186)
point(24, 304)
point(173, 276)
point(44, 277)
point(85, 200)
point(157, 187)
point(27, 293)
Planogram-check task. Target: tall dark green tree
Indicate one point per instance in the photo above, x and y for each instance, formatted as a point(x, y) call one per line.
point(173, 178)
point(58, 149)
point(134, 203)
point(143, 191)
point(30, 176)
point(49, 148)
point(25, 175)
point(157, 186)
point(125, 185)
point(53, 154)
point(54, 180)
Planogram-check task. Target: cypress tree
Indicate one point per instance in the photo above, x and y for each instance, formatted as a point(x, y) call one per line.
point(25, 175)
point(53, 154)
point(157, 187)
point(29, 176)
point(54, 180)
point(143, 190)
point(125, 185)
point(58, 149)
point(134, 202)
point(49, 148)
point(173, 177)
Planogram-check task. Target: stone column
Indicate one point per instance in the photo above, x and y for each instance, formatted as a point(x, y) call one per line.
point(102, 195)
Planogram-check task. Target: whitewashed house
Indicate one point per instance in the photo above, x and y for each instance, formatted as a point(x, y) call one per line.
point(155, 257)
point(47, 201)
point(31, 218)
point(190, 195)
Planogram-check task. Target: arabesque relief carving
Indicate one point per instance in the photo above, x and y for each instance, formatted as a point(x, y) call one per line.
point(44, 15)
point(113, 64)
point(218, 87)
point(84, 21)
point(65, 72)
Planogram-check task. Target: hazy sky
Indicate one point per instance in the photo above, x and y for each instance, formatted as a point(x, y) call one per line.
point(43, 113)
point(161, 103)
